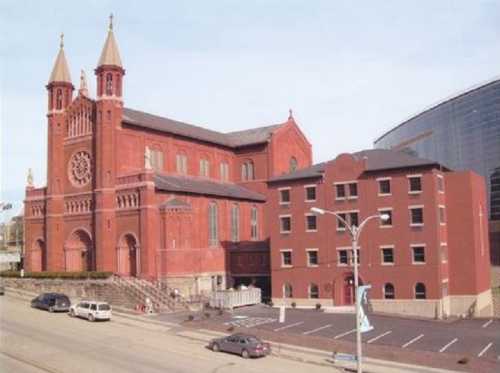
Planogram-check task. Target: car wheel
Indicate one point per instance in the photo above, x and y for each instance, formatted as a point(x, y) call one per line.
point(215, 347)
point(91, 317)
point(51, 309)
point(72, 313)
point(245, 354)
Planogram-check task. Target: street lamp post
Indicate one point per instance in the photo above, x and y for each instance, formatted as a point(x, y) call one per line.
point(354, 232)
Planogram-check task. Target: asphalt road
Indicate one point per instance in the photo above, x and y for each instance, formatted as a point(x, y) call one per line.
point(35, 341)
point(475, 338)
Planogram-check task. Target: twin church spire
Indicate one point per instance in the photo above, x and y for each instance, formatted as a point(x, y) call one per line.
point(110, 57)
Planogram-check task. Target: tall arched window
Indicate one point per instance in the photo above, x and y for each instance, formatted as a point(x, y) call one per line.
point(420, 291)
point(389, 291)
point(59, 99)
point(254, 227)
point(235, 223)
point(247, 170)
point(118, 86)
point(293, 164)
point(213, 236)
point(313, 291)
point(109, 84)
point(287, 290)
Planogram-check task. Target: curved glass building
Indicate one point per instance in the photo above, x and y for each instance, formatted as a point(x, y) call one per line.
point(462, 132)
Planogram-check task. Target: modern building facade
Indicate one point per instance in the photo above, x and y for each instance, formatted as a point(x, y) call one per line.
point(462, 133)
point(142, 195)
point(431, 258)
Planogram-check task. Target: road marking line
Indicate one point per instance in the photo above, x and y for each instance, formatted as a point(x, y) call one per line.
point(344, 334)
point(483, 351)
point(444, 348)
point(412, 341)
point(379, 336)
point(317, 329)
point(289, 326)
point(485, 325)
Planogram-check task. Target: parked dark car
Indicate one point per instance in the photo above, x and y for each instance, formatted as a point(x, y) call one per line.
point(241, 344)
point(53, 302)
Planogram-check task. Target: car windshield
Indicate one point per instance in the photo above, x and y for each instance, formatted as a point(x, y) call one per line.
point(104, 307)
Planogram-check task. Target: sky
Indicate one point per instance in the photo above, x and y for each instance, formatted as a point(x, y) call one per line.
point(350, 70)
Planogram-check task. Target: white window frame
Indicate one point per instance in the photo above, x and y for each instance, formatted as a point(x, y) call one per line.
point(281, 226)
point(315, 192)
point(283, 265)
point(347, 218)
point(305, 218)
point(415, 291)
point(254, 223)
point(382, 262)
point(289, 194)
point(444, 214)
point(421, 184)
point(378, 186)
point(337, 198)
point(439, 176)
point(418, 245)
point(317, 256)
point(411, 216)
point(383, 290)
point(441, 245)
point(309, 290)
point(383, 209)
point(349, 190)
point(338, 250)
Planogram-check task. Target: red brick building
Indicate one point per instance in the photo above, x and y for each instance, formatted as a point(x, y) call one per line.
point(431, 258)
point(141, 195)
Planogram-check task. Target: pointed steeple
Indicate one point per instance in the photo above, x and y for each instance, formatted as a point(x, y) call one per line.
point(60, 72)
point(110, 55)
point(83, 91)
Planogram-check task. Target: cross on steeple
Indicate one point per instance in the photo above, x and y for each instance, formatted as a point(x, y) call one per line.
point(111, 22)
point(61, 43)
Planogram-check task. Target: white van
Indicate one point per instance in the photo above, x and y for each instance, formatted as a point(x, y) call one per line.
point(91, 310)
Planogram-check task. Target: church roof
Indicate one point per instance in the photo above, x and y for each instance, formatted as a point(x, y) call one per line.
point(60, 71)
point(232, 139)
point(194, 185)
point(110, 54)
point(376, 160)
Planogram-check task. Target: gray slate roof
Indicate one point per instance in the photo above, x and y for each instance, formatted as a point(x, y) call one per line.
point(194, 185)
point(232, 139)
point(376, 160)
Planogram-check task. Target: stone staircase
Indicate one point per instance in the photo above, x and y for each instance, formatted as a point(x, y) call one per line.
point(139, 289)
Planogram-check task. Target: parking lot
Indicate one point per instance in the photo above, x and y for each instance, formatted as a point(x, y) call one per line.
point(477, 338)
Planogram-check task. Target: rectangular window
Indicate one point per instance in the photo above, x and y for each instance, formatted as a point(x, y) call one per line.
point(440, 183)
point(224, 171)
point(418, 254)
point(181, 163)
point(312, 258)
point(235, 223)
point(311, 223)
point(388, 222)
point(285, 224)
point(388, 255)
point(442, 215)
point(340, 191)
point(204, 167)
point(342, 259)
point(310, 193)
point(284, 196)
point(286, 258)
point(384, 187)
point(415, 184)
point(353, 219)
point(340, 223)
point(157, 160)
point(353, 190)
point(416, 216)
point(213, 225)
point(254, 232)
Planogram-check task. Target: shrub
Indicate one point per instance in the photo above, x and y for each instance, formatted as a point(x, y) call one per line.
point(463, 360)
point(59, 275)
point(294, 304)
point(318, 306)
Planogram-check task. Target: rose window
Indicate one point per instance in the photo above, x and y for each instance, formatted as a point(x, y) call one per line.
point(79, 168)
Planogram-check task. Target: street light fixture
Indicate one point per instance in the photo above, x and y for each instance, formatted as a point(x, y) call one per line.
point(354, 232)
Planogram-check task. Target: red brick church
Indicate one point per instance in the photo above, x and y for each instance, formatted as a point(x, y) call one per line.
point(142, 195)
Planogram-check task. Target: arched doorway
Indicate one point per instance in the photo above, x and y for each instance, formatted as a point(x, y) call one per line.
point(38, 256)
point(128, 255)
point(79, 252)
